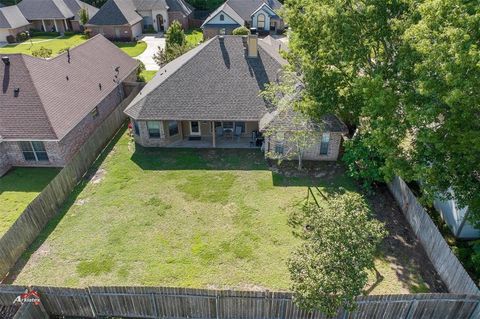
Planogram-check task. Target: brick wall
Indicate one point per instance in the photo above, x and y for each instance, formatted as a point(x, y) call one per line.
point(18, 30)
point(108, 31)
point(164, 140)
point(313, 153)
point(210, 32)
point(4, 161)
point(180, 17)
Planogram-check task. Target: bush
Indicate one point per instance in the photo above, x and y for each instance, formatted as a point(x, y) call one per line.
point(10, 38)
point(88, 33)
point(42, 53)
point(70, 33)
point(22, 36)
point(149, 29)
point(140, 69)
point(36, 33)
point(241, 31)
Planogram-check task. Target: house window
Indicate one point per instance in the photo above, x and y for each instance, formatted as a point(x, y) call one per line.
point(324, 144)
point(240, 124)
point(34, 151)
point(94, 112)
point(261, 21)
point(172, 128)
point(279, 149)
point(136, 128)
point(153, 129)
point(222, 17)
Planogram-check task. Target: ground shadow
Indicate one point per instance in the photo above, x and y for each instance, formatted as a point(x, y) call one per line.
point(27, 179)
point(52, 224)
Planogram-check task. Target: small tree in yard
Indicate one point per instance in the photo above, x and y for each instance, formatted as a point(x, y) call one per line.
point(175, 45)
point(84, 16)
point(42, 53)
point(285, 96)
point(340, 240)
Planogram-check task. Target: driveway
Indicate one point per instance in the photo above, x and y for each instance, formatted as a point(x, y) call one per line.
point(153, 41)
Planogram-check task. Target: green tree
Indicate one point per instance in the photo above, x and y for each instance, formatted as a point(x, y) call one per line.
point(42, 53)
point(340, 241)
point(241, 31)
point(84, 16)
point(175, 35)
point(446, 151)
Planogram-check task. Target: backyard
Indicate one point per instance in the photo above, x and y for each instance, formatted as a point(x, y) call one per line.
point(58, 44)
point(18, 188)
point(196, 218)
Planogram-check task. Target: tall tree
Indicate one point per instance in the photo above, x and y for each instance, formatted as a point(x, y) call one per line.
point(84, 16)
point(175, 45)
point(446, 144)
point(340, 240)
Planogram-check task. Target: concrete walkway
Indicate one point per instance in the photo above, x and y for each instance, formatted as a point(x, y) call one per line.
point(153, 41)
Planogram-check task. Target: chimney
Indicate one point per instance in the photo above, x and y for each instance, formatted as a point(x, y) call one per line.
point(252, 46)
point(6, 60)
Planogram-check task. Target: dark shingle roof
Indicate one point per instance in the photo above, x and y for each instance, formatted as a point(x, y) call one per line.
point(11, 18)
point(215, 81)
point(145, 5)
point(245, 8)
point(49, 105)
point(45, 9)
point(76, 5)
point(286, 121)
point(116, 12)
point(180, 5)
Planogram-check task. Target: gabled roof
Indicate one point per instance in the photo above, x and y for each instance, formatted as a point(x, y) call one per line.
point(11, 18)
point(245, 8)
point(76, 5)
point(181, 6)
point(266, 8)
point(214, 81)
point(286, 121)
point(146, 5)
point(55, 95)
point(227, 10)
point(116, 12)
point(45, 9)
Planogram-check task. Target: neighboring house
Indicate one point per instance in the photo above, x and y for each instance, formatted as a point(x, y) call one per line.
point(12, 22)
point(55, 15)
point(456, 218)
point(259, 14)
point(209, 97)
point(49, 108)
point(127, 19)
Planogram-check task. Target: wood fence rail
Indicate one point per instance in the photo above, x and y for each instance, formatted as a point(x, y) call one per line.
point(46, 205)
point(183, 303)
point(445, 262)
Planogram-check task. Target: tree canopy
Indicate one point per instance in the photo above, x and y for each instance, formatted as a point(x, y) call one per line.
point(403, 73)
point(340, 240)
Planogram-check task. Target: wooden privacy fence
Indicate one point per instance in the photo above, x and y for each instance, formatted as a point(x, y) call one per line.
point(445, 262)
point(45, 206)
point(182, 303)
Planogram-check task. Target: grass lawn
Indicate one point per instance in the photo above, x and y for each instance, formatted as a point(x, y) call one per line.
point(52, 43)
point(18, 188)
point(148, 75)
point(194, 36)
point(181, 217)
point(133, 49)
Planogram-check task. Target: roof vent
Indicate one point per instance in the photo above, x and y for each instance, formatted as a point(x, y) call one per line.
point(100, 86)
point(68, 55)
point(16, 92)
point(6, 60)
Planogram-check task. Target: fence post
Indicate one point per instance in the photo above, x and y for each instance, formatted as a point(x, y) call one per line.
point(90, 302)
point(216, 304)
point(154, 301)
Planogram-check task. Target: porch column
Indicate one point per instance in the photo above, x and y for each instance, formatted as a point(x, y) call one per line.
point(66, 24)
point(56, 26)
point(44, 27)
point(213, 134)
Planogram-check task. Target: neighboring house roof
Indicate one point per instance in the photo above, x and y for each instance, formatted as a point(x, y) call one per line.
point(2, 5)
point(45, 9)
point(76, 5)
point(116, 12)
point(245, 8)
point(227, 10)
point(55, 95)
point(214, 81)
point(266, 8)
point(11, 18)
point(121, 12)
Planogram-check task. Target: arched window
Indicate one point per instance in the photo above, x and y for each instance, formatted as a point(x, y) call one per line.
point(261, 21)
point(222, 17)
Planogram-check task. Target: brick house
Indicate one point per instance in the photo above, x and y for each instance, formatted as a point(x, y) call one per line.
point(259, 14)
point(55, 15)
point(49, 108)
point(128, 19)
point(12, 22)
point(209, 97)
